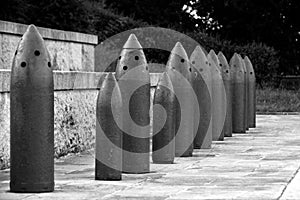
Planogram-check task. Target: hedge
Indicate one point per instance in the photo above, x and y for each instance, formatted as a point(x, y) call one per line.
point(265, 59)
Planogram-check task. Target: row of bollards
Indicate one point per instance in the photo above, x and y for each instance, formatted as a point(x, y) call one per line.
point(197, 100)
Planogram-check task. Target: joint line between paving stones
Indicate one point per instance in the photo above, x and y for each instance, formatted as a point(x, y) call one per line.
point(31, 195)
point(288, 183)
point(123, 189)
point(206, 156)
point(179, 191)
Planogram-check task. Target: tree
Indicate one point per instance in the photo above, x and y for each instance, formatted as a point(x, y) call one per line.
point(62, 14)
point(164, 13)
point(274, 22)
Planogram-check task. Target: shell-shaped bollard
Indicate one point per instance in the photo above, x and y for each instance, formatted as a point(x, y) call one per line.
point(202, 85)
point(179, 71)
point(218, 99)
point(226, 76)
point(246, 91)
point(163, 140)
point(238, 95)
point(134, 82)
point(251, 94)
point(108, 162)
point(32, 116)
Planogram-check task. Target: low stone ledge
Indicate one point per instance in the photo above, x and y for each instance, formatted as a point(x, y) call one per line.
point(53, 34)
point(69, 80)
point(278, 113)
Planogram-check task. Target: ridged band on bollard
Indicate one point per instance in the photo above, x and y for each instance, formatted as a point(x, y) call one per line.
point(108, 162)
point(238, 95)
point(246, 93)
point(225, 69)
point(218, 98)
point(163, 142)
point(179, 71)
point(131, 71)
point(202, 85)
point(251, 94)
point(32, 116)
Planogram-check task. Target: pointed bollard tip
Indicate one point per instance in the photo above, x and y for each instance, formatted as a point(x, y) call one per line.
point(132, 43)
point(215, 58)
point(132, 56)
point(179, 51)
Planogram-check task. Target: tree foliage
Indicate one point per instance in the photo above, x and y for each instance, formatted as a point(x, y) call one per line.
point(164, 13)
point(274, 22)
point(68, 14)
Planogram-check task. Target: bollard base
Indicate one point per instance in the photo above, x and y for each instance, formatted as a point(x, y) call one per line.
point(163, 162)
point(184, 155)
point(110, 178)
point(252, 126)
point(130, 172)
point(239, 132)
point(32, 187)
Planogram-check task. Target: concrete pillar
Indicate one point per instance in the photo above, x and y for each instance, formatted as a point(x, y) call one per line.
point(226, 76)
point(108, 162)
point(133, 78)
point(202, 85)
point(32, 116)
point(179, 71)
point(218, 99)
point(238, 95)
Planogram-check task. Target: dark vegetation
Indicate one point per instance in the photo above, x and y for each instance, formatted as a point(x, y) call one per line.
point(267, 31)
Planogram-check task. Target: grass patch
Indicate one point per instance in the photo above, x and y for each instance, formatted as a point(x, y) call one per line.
point(277, 100)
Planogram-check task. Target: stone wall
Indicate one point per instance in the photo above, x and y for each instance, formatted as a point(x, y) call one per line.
point(69, 51)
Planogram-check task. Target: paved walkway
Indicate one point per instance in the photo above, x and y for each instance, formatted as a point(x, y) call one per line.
point(262, 164)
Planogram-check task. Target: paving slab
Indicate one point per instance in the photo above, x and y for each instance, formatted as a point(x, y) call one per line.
point(262, 164)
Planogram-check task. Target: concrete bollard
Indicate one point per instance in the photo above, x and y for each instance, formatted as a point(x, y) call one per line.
point(134, 81)
point(179, 71)
point(32, 116)
point(202, 85)
point(218, 99)
point(225, 70)
point(163, 142)
point(251, 94)
point(238, 95)
point(246, 92)
point(108, 162)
